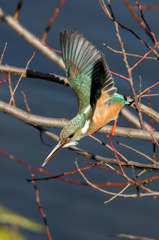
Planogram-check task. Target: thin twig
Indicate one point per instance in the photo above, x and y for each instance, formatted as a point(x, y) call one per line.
point(16, 14)
point(148, 7)
point(3, 78)
point(114, 194)
point(110, 147)
point(52, 19)
point(129, 54)
point(142, 24)
point(36, 169)
point(144, 56)
point(59, 177)
point(137, 151)
point(20, 79)
point(122, 26)
point(31, 38)
point(151, 34)
point(116, 156)
point(131, 83)
point(150, 95)
point(26, 104)
point(118, 194)
point(154, 85)
point(52, 49)
point(40, 208)
point(94, 186)
point(140, 96)
point(129, 71)
point(153, 128)
point(119, 75)
point(128, 236)
point(3, 53)
point(10, 88)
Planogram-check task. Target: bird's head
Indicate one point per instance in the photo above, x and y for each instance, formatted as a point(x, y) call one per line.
point(71, 132)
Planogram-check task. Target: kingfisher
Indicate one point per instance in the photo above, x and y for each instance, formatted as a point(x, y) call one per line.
point(90, 78)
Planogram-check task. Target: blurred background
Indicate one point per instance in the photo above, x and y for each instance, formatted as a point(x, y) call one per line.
point(73, 211)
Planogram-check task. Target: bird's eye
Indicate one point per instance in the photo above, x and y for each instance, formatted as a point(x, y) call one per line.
point(71, 136)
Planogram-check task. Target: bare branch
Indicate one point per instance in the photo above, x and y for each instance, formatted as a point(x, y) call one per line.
point(52, 19)
point(132, 118)
point(34, 74)
point(142, 24)
point(16, 14)
point(12, 96)
point(3, 53)
point(63, 80)
point(40, 208)
point(146, 110)
point(36, 120)
point(128, 54)
point(28, 118)
point(116, 194)
point(122, 26)
point(32, 39)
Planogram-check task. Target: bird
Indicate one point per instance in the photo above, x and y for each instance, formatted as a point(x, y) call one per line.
point(90, 78)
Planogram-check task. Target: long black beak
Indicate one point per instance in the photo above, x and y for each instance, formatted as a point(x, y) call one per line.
point(53, 153)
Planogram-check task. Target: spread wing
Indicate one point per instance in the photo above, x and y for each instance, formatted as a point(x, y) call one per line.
point(86, 70)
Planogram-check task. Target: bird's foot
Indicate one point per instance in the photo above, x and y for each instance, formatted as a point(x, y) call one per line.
point(114, 127)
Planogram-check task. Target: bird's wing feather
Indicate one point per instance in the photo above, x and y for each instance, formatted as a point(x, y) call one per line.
point(86, 69)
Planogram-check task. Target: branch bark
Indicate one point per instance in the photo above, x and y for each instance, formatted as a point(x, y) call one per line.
point(34, 74)
point(111, 161)
point(63, 80)
point(36, 120)
point(31, 38)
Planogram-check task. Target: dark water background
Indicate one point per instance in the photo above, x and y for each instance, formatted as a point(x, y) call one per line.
point(73, 212)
